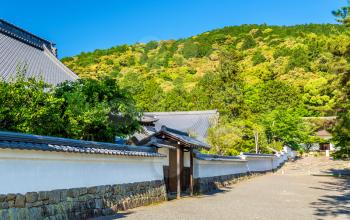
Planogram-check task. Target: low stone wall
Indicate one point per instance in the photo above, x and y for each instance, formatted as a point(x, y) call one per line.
point(209, 184)
point(81, 203)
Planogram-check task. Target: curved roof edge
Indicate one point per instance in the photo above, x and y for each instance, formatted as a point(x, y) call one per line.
point(14, 140)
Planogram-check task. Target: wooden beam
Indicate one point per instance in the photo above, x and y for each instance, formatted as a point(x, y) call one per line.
point(178, 172)
point(191, 172)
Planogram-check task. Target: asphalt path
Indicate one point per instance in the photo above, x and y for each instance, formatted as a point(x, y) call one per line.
point(305, 189)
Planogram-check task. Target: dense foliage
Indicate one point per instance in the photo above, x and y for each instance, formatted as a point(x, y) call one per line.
point(85, 109)
point(261, 78)
point(341, 131)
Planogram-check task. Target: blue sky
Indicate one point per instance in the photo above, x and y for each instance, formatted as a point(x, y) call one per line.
point(84, 25)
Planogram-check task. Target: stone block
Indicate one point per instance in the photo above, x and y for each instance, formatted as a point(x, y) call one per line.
point(92, 190)
point(98, 203)
point(31, 197)
point(73, 193)
point(100, 190)
point(10, 197)
point(64, 194)
point(4, 205)
point(107, 211)
point(82, 191)
point(109, 188)
point(2, 198)
point(97, 212)
point(20, 201)
point(34, 204)
point(54, 196)
point(11, 203)
point(43, 195)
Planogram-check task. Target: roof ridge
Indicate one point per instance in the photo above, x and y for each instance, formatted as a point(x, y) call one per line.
point(30, 138)
point(23, 31)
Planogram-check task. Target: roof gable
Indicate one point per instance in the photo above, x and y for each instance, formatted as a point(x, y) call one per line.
point(182, 137)
point(195, 123)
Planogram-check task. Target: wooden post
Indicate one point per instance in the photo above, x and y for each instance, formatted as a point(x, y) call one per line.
point(256, 137)
point(178, 172)
point(191, 172)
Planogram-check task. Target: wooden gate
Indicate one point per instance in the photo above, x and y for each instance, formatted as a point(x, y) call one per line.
point(170, 172)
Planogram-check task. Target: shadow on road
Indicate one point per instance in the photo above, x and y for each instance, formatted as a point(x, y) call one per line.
point(112, 217)
point(333, 206)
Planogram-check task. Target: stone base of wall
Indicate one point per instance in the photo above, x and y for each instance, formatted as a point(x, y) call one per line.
point(81, 203)
point(209, 184)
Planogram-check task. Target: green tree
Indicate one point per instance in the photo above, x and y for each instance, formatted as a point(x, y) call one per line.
point(89, 109)
point(97, 109)
point(28, 106)
point(343, 14)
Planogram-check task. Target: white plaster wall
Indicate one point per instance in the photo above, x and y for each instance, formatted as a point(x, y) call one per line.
point(164, 151)
point(203, 168)
point(289, 151)
point(187, 159)
point(276, 162)
point(26, 171)
point(259, 164)
point(285, 156)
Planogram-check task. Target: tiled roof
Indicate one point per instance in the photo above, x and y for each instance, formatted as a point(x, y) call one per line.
point(144, 133)
point(182, 137)
point(323, 134)
point(196, 123)
point(257, 155)
point(20, 50)
point(12, 140)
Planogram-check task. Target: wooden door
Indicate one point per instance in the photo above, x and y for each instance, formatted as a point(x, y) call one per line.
point(325, 146)
point(172, 172)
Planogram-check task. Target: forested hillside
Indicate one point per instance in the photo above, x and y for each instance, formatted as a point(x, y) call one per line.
point(261, 78)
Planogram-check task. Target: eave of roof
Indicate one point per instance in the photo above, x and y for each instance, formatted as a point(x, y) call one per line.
point(12, 140)
point(182, 138)
point(257, 155)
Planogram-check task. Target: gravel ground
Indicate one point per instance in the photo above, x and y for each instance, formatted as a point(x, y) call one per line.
point(300, 190)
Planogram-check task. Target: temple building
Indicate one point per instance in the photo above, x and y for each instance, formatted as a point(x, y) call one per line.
point(22, 52)
point(323, 126)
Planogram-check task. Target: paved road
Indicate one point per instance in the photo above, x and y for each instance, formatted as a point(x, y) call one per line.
point(299, 190)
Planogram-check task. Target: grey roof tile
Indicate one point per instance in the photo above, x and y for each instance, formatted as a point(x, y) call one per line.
point(257, 155)
point(183, 137)
point(196, 123)
point(33, 55)
point(12, 140)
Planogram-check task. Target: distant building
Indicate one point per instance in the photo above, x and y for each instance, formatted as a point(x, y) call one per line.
point(327, 144)
point(322, 125)
point(26, 53)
